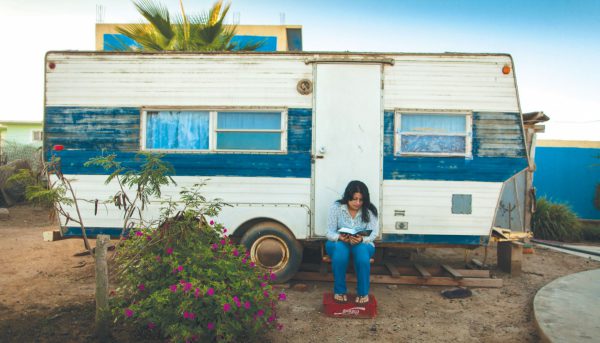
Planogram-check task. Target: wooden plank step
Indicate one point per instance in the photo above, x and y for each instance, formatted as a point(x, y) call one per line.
point(408, 280)
point(392, 269)
point(408, 270)
point(424, 273)
point(455, 274)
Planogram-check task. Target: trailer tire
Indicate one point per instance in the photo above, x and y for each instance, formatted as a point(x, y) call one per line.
point(273, 247)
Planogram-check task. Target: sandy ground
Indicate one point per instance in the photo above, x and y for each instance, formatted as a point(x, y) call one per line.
point(46, 295)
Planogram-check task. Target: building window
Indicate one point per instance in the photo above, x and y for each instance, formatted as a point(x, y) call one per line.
point(214, 131)
point(433, 134)
point(37, 135)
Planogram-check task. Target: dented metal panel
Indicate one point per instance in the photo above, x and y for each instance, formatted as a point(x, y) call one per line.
point(122, 80)
point(451, 82)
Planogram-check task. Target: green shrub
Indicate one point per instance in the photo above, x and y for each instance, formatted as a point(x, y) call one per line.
point(186, 281)
point(590, 232)
point(555, 221)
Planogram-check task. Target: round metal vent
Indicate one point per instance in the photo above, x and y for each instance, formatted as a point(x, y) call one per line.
point(304, 87)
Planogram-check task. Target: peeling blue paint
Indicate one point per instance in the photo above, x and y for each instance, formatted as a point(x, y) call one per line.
point(84, 135)
point(435, 239)
point(489, 163)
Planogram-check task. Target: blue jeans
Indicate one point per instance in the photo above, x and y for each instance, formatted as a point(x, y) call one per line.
point(340, 256)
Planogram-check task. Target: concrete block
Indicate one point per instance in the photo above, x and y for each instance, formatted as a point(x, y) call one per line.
point(50, 236)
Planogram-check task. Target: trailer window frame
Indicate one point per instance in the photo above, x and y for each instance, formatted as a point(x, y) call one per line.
point(213, 130)
point(399, 133)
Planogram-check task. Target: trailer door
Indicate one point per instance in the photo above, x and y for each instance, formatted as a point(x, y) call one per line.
point(347, 134)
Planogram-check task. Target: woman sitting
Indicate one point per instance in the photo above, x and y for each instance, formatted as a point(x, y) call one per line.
point(356, 215)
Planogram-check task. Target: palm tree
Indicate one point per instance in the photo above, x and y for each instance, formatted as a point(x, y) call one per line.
point(203, 32)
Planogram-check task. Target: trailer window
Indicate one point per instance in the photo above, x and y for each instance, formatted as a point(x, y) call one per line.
point(212, 131)
point(249, 131)
point(433, 134)
point(177, 130)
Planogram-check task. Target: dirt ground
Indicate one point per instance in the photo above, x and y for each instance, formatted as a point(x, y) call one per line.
point(46, 295)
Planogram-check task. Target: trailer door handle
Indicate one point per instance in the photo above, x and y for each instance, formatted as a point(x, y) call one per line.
point(314, 157)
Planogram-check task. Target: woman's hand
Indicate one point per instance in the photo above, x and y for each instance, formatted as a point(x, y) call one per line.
point(356, 239)
point(344, 237)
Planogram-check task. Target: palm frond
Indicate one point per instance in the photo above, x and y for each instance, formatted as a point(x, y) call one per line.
point(157, 15)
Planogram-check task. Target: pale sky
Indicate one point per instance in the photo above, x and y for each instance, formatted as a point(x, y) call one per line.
point(555, 44)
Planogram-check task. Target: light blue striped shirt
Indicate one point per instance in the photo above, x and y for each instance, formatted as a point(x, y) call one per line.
point(339, 217)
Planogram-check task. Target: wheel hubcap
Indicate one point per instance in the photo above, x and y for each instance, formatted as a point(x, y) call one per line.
point(270, 252)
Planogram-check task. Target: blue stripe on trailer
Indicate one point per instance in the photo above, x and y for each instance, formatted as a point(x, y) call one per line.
point(435, 239)
point(75, 231)
point(288, 165)
point(87, 133)
point(498, 153)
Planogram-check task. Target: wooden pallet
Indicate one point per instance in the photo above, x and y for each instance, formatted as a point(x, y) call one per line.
point(415, 274)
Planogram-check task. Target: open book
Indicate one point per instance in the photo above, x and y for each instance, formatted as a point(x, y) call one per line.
point(354, 232)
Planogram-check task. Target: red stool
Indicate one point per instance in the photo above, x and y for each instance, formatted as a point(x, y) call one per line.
point(349, 309)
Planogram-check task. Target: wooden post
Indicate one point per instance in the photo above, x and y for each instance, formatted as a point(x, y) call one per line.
point(510, 255)
point(102, 331)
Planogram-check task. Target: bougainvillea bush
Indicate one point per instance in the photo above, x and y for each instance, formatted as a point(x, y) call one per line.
point(185, 279)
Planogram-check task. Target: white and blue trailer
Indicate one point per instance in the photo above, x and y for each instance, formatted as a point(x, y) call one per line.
point(279, 135)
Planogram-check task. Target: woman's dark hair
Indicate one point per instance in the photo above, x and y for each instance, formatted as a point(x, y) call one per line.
point(359, 187)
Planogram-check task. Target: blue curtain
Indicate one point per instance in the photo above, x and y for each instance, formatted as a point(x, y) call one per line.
point(431, 123)
point(177, 130)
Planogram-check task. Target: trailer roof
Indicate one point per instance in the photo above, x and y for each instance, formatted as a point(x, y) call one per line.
point(285, 53)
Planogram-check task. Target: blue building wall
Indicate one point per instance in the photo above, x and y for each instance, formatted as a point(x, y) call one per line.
point(569, 175)
point(118, 42)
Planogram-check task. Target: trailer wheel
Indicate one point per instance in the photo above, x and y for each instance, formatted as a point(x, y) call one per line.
point(272, 247)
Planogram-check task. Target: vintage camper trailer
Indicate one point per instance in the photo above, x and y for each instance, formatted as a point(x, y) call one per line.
point(279, 135)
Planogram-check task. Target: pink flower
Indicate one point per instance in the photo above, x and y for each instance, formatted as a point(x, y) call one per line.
point(169, 251)
point(197, 293)
point(210, 292)
point(226, 307)
point(260, 312)
point(271, 319)
point(279, 327)
point(151, 326)
point(237, 301)
point(224, 230)
point(247, 305)
point(214, 246)
point(210, 326)
point(173, 288)
point(262, 285)
point(273, 277)
point(236, 253)
point(212, 222)
point(187, 286)
point(264, 277)
point(139, 233)
point(189, 315)
point(128, 313)
point(223, 242)
point(252, 264)
point(244, 260)
point(282, 296)
point(141, 287)
point(148, 238)
point(266, 294)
